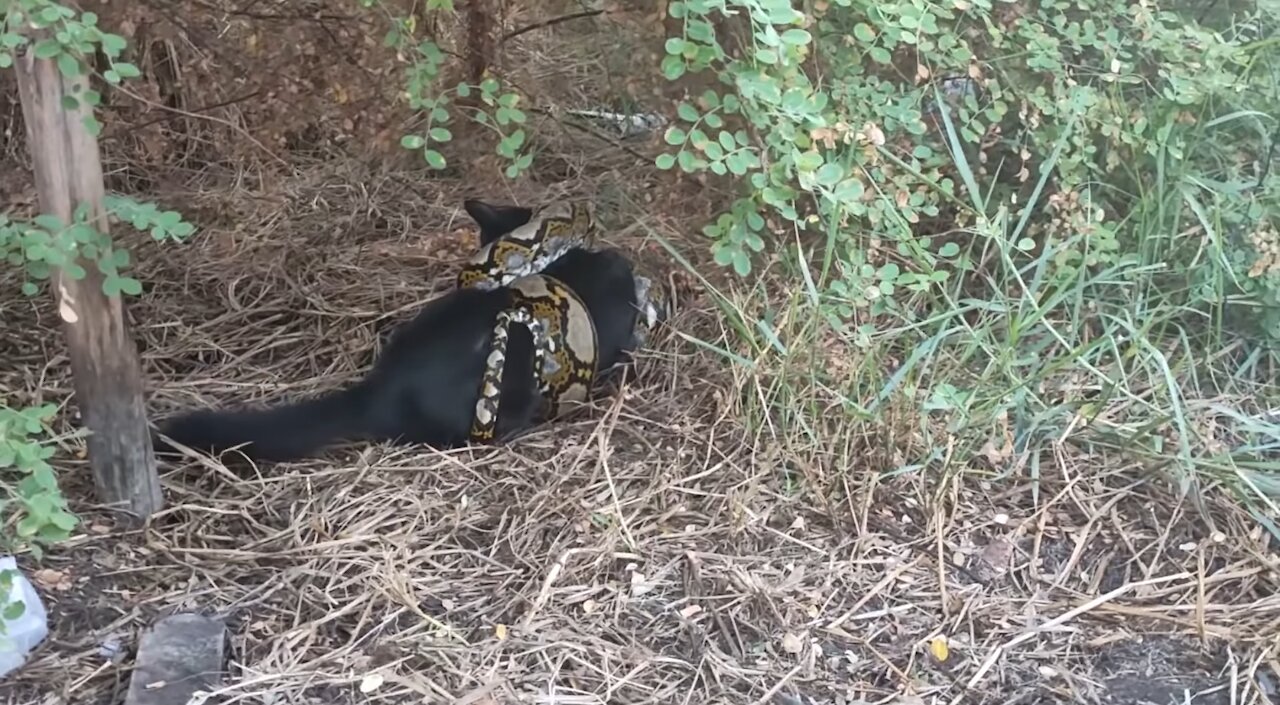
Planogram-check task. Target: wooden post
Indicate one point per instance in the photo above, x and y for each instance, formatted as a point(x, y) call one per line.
point(104, 359)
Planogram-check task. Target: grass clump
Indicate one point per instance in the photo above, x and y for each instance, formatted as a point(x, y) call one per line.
point(1004, 228)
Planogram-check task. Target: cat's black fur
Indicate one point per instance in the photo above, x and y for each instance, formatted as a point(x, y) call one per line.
point(423, 387)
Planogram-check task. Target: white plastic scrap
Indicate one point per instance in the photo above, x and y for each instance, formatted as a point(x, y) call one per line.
point(28, 629)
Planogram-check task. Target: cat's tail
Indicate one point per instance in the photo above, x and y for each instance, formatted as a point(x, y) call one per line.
point(281, 433)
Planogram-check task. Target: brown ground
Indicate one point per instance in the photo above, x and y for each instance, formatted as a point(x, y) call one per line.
point(655, 549)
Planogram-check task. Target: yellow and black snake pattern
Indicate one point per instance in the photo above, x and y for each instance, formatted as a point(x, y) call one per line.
point(564, 336)
point(531, 247)
point(564, 349)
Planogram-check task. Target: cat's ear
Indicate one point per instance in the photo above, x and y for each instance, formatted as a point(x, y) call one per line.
point(496, 221)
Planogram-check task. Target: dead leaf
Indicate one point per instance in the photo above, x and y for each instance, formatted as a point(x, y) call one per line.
point(66, 303)
point(690, 611)
point(51, 579)
point(872, 134)
point(500, 631)
point(370, 683)
point(792, 643)
point(939, 649)
point(638, 584)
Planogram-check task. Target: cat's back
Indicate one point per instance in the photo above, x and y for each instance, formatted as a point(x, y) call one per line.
point(456, 324)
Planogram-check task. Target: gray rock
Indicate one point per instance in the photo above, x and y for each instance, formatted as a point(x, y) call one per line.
point(180, 655)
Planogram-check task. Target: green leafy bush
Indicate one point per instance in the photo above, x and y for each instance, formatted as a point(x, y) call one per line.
point(436, 106)
point(876, 122)
point(30, 501)
point(1001, 225)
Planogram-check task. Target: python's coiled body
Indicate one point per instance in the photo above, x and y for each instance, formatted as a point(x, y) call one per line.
point(565, 345)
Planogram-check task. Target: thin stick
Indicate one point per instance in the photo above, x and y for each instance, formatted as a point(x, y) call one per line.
point(1064, 618)
point(777, 686)
point(551, 22)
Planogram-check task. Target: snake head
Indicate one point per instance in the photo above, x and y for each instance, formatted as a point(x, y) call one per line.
point(656, 302)
point(495, 220)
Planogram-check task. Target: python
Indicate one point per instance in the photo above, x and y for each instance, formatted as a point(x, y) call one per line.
point(425, 385)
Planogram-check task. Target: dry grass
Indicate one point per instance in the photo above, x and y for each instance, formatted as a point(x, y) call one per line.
point(652, 549)
point(649, 550)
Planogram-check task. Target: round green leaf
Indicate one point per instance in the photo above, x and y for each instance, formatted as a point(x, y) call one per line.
point(68, 66)
point(412, 141)
point(863, 32)
point(808, 161)
point(665, 161)
point(47, 49)
point(849, 190)
point(113, 44)
point(14, 610)
point(673, 67)
point(130, 286)
point(830, 174)
point(796, 37)
point(675, 136)
point(434, 159)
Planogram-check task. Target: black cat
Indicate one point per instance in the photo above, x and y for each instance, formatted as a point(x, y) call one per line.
point(423, 387)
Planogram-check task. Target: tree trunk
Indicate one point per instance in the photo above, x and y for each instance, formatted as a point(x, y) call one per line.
point(482, 17)
point(104, 360)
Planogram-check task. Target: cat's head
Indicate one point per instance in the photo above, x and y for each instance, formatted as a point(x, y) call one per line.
point(496, 220)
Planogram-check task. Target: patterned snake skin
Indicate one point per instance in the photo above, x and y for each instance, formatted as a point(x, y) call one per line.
point(564, 336)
